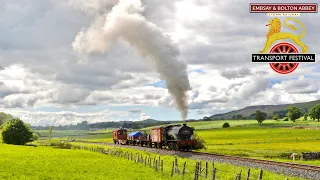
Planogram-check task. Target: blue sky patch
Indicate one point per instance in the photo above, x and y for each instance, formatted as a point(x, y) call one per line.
point(199, 71)
point(161, 84)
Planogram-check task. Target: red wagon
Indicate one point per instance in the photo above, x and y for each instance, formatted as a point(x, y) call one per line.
point(120, 136)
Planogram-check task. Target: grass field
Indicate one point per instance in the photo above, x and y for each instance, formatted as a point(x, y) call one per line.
point(27, 162)
point(224, 171)
point(99, 135)
point(272, 139)
point(248, 123)
point(65, 133)
point(261, 142)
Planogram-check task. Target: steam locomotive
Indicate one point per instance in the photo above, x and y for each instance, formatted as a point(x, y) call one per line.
point(173, 137)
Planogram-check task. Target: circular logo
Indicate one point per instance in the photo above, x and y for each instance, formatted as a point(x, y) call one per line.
point(284, 68)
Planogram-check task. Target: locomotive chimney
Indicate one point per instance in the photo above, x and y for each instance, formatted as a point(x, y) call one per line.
point(184, 124)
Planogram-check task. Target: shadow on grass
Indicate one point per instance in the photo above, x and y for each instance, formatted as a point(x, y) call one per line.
point(31, 145)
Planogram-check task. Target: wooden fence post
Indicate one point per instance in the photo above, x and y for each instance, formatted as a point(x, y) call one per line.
point(172, 170)
point(184, 168)
point(248, 174)
point(176, 166)
point(196, 171)
point(200, 168)
point(145, 161)
point(150, 161)
point(156, 165)
point(213, 172)
point(161, 166)
point(260, 174)
point(206, 169)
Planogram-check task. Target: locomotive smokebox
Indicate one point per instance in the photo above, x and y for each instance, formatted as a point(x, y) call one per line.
point(178, 132)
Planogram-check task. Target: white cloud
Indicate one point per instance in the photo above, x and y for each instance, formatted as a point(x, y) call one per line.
point(66, 117)
point(39, 69)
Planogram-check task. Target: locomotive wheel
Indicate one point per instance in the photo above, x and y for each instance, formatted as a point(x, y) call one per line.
point(284, 68)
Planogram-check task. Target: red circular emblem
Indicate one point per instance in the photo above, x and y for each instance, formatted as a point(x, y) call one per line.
point(284, 68)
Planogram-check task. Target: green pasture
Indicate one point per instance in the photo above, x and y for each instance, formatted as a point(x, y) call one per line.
point(28, 162)
point(273, 139)
point(247, 123)
point(224, 171)
point(261, 142)
point(64, 133)
point(99, 135)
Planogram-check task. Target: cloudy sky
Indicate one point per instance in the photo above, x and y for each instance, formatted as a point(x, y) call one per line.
point(44, 82)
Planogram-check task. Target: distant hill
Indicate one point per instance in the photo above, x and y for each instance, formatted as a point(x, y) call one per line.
point(269, 109)
point(148, 121)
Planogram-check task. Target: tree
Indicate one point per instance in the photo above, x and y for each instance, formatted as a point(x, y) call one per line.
point(281, 113)
point(305, 116)
point(50, 132)
point(312, 113)
point(252, 116)
point(234, 117)
point(260, 116)
point(225, 125)
point(206, 118)
point(16, 132)
point(315, 112)
point(275, 117)
point(293, 113)
point(239, 116)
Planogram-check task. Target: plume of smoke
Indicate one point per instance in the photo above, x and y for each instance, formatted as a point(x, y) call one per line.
point(124, 22)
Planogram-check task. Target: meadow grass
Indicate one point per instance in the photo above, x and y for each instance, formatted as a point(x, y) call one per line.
point(277, 143)
point(62, 133)
point(224, 171)
point(246, 123)
point(271, 140)
point(27, 162)
point(99, 135)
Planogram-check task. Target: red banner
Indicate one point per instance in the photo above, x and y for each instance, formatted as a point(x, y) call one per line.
point(283, 8)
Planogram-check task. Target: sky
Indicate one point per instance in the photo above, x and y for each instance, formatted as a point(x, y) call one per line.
point(43, 80)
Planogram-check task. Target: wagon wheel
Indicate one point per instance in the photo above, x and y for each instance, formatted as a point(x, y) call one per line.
point(284, 68)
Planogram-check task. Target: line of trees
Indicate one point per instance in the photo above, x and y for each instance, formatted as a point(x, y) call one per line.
point(84, 125)
point(292, 113)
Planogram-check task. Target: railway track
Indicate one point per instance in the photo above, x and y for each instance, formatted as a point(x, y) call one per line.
point(261, 161)
point(293, 166)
